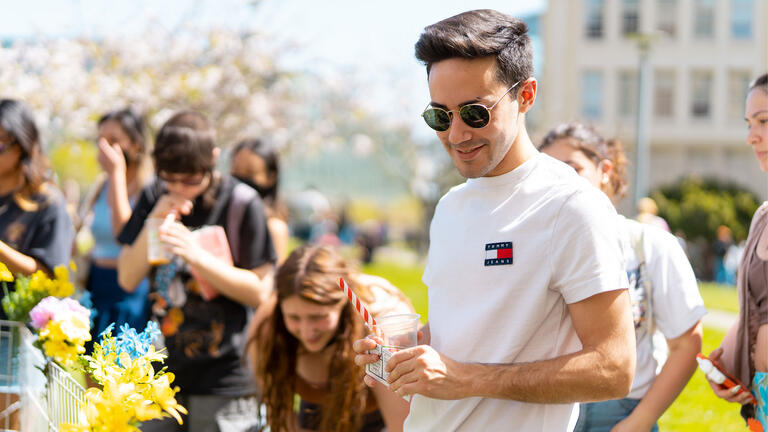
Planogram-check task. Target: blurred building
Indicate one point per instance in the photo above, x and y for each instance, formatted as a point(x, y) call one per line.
point(702, 55)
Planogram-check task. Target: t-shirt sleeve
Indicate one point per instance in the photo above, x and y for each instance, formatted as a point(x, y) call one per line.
point(52, 237)
point(135, 223)
point(677, 304)
point(584, 250)
point(256, 247)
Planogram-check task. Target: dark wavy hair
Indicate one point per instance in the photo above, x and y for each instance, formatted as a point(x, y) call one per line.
point(184, 144)
point(760, 82)
point(311, 272)
point(132, 123)
point(476, 34)
point(17, 121)
point(587, 140)
point(267, 151)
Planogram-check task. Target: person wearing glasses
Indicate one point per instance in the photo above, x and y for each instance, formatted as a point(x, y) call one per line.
point(204, 331)
point(744, 351)
point(664, 292)
point(122, 157)
point(528, 307)
point(36, 231)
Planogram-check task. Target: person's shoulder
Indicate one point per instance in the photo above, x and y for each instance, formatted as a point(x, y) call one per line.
point(583, 198)
point(554, 171)
point(656, 234)
point(235, 189)
point(761, 211)
point(556, 180)
point(49, 197)
point(657, 242)
point(454, 193)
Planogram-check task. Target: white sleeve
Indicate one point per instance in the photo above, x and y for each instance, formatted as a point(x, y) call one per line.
point(677, 304)
point(585, 253)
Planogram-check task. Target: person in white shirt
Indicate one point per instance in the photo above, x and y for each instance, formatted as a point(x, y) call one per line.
point(662, 286)
point(528, 307)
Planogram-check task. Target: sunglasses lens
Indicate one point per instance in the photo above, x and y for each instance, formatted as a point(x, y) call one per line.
point(476, 116)
point(437, 119)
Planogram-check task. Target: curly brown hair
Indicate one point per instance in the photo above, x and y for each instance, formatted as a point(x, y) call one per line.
point(587, 140)
point(311, 272)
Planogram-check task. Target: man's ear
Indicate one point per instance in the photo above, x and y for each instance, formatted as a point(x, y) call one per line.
point(526, 95)
point(216, 153)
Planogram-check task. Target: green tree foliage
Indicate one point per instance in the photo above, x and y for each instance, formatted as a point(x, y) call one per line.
point(698, 206)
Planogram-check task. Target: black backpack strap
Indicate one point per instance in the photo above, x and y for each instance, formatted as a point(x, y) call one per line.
point(242, 195)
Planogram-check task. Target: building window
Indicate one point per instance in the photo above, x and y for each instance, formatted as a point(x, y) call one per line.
point(741, 18)
point(627, 93)
point(666, 17)
point(701, 94)
point(630, 17)
point(592, 94)
point(704, 18)
point(594, 19)
point(664, 94)
point(738, 84)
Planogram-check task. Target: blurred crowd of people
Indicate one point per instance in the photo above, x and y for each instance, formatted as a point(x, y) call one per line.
point(541, 296)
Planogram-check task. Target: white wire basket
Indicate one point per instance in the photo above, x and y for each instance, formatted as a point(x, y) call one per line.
point(37, 395)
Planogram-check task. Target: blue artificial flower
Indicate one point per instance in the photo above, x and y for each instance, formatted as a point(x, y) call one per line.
point(128, 341)
point(106, 331)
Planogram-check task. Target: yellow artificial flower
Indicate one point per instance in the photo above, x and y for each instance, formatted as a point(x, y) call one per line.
point(61, 286)
point(5, 274)
point(40, 282)
point(164, 395)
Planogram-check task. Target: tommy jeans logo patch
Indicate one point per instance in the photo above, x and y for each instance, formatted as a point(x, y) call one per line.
point(498, 253)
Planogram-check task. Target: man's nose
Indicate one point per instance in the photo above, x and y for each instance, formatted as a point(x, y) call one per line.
point(458, 132)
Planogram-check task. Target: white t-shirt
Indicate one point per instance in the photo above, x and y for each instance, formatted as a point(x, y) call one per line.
point(676, 303)
point(506, 257)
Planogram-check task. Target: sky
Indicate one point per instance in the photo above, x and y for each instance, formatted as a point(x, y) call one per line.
point(370, 40)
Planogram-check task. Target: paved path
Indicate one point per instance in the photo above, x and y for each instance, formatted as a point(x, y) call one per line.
point(719, 319)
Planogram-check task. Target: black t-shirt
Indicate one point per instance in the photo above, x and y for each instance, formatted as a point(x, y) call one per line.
point(45, 234)
point(205, 339)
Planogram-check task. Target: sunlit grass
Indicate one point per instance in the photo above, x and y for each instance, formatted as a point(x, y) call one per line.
point(722, 297)
point(697, 408)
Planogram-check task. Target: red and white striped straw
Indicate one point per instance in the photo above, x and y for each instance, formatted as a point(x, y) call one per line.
point(360, 306)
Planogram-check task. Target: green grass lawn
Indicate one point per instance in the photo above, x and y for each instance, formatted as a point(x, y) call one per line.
point(722, 297)
point(696, 409)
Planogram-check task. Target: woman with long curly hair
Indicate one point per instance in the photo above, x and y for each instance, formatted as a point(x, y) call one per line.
point(303, 346)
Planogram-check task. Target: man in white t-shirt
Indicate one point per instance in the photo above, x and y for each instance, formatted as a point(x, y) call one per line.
point(528, 307)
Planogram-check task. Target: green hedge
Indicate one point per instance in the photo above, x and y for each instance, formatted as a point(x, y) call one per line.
point(698, 206)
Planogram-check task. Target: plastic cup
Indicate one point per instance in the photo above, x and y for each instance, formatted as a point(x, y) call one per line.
point(392, 333)
point(156, 253)
point(397, 331)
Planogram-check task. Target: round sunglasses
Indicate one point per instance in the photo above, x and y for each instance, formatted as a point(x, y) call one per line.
point(474, 115)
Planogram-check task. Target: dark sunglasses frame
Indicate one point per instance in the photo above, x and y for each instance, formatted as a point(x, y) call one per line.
point(476, 116)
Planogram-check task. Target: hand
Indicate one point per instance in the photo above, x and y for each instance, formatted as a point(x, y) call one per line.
point(425, 371)
point(731, 395)
point(179, 240)
point(361, 347)
point(111, 158)
point(170, 204)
